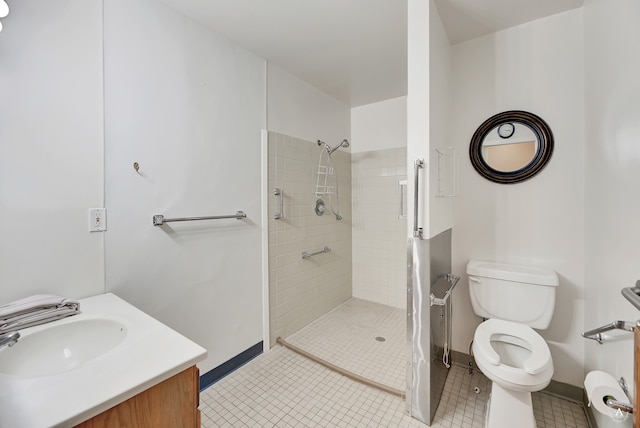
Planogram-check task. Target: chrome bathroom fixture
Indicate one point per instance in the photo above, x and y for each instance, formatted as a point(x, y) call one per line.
point(327, 177)
point(278, 192)
point(417, 166)
point(159, 220)
point(319, 207)
point(596, 333)
point(306, 255)
point(632, 294)
point(9, 338)
point(344, 143)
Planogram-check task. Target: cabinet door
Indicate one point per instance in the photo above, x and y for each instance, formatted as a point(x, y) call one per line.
point(169, 404)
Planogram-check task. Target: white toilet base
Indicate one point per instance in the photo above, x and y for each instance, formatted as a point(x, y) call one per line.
point(507, 408)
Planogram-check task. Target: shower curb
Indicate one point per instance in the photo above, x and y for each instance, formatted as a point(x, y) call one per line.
point(346, 373)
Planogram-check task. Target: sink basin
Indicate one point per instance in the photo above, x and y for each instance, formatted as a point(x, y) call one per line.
point(61, 347)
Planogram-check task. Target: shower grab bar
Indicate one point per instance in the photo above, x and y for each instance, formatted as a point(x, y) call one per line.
point(451, 279)
point(596, 333)
point(306, 255)
point(418, 164)
point(632, 294)
point(278, 192)
point(159, 220)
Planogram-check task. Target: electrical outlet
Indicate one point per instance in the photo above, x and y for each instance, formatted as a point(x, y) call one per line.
point(97, 219)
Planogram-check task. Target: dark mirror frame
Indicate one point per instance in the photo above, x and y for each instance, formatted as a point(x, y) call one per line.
point(541, 158)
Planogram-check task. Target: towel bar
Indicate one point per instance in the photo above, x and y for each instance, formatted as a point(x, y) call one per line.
point(159, 220)
point(451, 279)
point(632, 294)
point(596, 333)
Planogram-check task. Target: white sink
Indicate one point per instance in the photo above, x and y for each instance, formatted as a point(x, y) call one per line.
point(63, 373)
point(61, 347)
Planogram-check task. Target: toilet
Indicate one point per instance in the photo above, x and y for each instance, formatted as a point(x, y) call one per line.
point(514, 300)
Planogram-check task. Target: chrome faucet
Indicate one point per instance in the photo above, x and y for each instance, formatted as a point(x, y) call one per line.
point(9, 338)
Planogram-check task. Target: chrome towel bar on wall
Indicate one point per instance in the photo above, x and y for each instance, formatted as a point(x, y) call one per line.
point(159, 220)
point(632, 294)
point(451, 279)
point(596, 333)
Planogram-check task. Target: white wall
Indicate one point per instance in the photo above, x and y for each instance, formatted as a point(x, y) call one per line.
point(428, 106)
point(51, 149)
point(418, 92)
point(185, 104)
point(440, 124)
point(300, 110)
point(536, 67)
point(612, 67)
point(189, 107)
point(379, 126)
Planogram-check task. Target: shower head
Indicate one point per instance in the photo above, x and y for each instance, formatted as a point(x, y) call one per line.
point(343, 143)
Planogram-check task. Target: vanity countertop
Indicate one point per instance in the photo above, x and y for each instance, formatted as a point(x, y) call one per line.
point(150, 353)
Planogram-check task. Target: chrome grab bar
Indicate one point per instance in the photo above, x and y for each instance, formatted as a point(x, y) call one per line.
point(596, 333)
point(418, 164)
point(9, 338)
point(451, 279)
point(306, 255)
point(632, 294)
point(278, 192)
point(159, 220)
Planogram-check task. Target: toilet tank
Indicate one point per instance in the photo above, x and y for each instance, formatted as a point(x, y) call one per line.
point(523, 294)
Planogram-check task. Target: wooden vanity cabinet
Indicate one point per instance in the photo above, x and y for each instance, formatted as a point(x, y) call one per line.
point(172, 403)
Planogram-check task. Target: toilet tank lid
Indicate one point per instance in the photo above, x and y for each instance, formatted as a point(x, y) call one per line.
point(509, 272)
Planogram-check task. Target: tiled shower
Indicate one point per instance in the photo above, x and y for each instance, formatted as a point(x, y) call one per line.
point(368, 246)
point(380, 226)
point(301, 290)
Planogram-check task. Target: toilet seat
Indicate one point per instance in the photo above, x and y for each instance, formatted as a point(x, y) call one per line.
point(536, 363)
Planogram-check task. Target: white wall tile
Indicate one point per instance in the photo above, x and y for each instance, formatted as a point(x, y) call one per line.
point(306, 289)
point(378, 234)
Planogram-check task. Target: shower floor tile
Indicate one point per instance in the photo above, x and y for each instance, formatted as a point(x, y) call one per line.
point(366, 338)
point(283, 389)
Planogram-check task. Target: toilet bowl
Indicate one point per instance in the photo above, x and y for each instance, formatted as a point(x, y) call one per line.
point(507, 350)
point(512, 354)
point(517, 361)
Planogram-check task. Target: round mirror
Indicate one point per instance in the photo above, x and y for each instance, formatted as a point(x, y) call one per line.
point(511, 146)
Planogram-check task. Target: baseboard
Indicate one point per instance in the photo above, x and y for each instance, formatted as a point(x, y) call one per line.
point(214, 375)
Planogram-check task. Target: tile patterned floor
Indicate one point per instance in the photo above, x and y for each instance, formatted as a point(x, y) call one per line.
point(347, 336)
point(283, 389)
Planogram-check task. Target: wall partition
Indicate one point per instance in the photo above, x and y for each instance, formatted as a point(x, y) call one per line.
point(429, 269)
